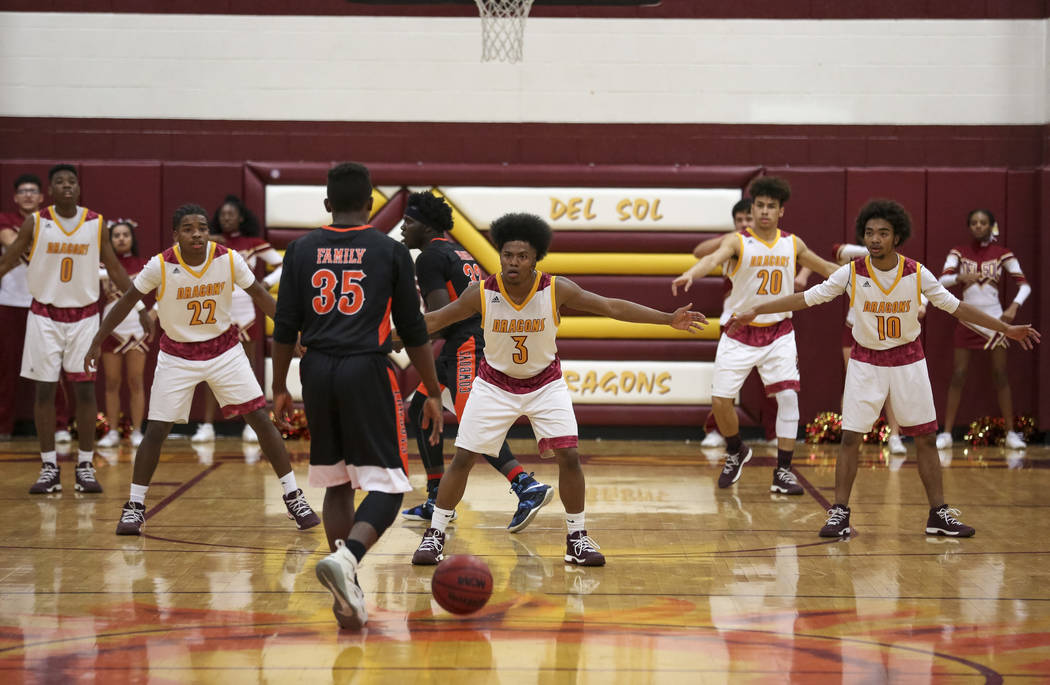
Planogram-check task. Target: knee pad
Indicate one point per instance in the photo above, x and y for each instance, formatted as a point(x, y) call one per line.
point(379, 509)
point(787, 414)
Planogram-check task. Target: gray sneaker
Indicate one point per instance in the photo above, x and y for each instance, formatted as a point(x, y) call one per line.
point(338, 573)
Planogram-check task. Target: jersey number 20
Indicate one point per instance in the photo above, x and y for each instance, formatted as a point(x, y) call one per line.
point(351, 294)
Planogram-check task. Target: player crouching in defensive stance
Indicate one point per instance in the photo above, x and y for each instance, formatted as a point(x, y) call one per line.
point(194, 280)
point(887, 359)
point(520, 374)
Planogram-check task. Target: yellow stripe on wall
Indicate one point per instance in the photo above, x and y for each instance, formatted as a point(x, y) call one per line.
point(601, 327)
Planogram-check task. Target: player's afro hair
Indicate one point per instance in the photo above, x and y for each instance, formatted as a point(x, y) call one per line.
point(770, 186)
point(892, 212)
point(187, 210)
point(431, 210)
point(528, 228)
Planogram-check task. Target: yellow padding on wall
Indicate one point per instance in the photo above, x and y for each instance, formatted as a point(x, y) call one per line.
point(612, 263)
point(599, 327)
point(378, 201)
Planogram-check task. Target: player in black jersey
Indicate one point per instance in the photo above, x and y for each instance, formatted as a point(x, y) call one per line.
point(340, 285)
point(444, 270)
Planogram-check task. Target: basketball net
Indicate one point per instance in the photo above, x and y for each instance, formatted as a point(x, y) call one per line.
point(503, 29)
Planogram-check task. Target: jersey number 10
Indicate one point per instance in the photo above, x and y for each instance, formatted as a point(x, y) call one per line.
point(889, 326)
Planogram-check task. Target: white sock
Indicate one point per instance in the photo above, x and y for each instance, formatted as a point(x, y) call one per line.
point(50, 457)
point(441, 518)
point(85, 455)
point(138, 493)
point(575, 522)
point(288, 483)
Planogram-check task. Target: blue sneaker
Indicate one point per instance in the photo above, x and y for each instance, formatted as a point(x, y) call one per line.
point(423, 512)
point(532, 495)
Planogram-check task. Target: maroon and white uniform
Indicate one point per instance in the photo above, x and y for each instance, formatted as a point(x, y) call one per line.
point(886, 359)
point(763, 272)
point(129, 334)
point(992, 262)
point(251, 249)
point(200, 342)
point(520, 374)
point(63, 279)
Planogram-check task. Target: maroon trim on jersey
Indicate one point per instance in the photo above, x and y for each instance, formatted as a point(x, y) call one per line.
point(45, 213)
point(205, 349)
point(782, 385)
point(861, 268)
point(520, 386)
point(922, 429)
point(80, 376)
point(491, 283)
point(910, 267)
point(170, 257)
point(64, 314)
point(908, 353)
point(89, 215)
point(760, 336)
point(231, 410)
point(564, 442)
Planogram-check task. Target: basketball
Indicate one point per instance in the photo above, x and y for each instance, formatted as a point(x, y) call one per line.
point(462, 584)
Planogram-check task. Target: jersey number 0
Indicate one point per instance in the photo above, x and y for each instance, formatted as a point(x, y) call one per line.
point(351, 294)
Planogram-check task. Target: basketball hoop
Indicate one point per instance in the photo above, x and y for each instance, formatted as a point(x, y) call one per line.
point(503, 29)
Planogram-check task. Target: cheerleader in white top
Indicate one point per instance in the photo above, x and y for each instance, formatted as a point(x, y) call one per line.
point(520, 374)
point(887, 360)
point(980, 267)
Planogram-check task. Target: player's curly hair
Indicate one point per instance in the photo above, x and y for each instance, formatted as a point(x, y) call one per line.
point(525, 227)
point(770, 186)
point(888, 210)
point(186, 210)
point(249, 222)
point(431, 210)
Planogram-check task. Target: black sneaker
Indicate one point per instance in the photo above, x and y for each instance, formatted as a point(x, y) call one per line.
point(837, 524)
point(532, 495)
point(299, 510)
point(942, 521)
point(734, 463)
point(430, 548)
point(785, 482)
point(581, 550)
point(86, 478)
point(132, 518)
point(47, 481)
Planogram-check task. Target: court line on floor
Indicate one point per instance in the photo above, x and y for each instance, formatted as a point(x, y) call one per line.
point(159, 506)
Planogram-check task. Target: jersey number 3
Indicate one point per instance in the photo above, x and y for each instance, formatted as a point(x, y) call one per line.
point(351, 294)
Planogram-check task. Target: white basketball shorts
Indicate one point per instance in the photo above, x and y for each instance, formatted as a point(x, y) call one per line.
point(52, 347)
point(777, 365)
point(490, 412)
point(907, 387)
point(230, 376)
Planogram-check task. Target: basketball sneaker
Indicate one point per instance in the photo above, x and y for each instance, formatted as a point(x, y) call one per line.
point(1014, 441)
point(205, 433)
point(136, 437)
point(299, 510)
point(248, 434)
point(63, 436)
point(110, 439)
point(582, 550)
point(785, 482)
point(532, 496)
point(713, 439)
point(942, 521)
point(944, 440)
point(734, 463)
point(132, 518)
point(424, 512)
point(338, 573)
point(86, 478)
point(896, 445)
point(837, 524)
point(47, 481)
point(430, 548)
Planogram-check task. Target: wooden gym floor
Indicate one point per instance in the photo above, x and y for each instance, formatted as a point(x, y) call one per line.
point(701, 585)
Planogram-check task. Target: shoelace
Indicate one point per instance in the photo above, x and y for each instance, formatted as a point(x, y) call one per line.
point(787, 476)
point(86, 473)
point(431, 543)
point(299, 505)
point(732, 461)
point(836, 516)
point(133, 515)
point(584, 544)
point(47, 473)
point(949, 514)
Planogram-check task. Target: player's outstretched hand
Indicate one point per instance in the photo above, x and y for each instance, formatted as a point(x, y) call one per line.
point(1025, 335)
point(683, 282)
point(685, 320)
point(282, 410)
point(740, 319)
point(434, 418)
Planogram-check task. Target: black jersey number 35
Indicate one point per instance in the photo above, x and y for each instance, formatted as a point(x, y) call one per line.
point(351, 294)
